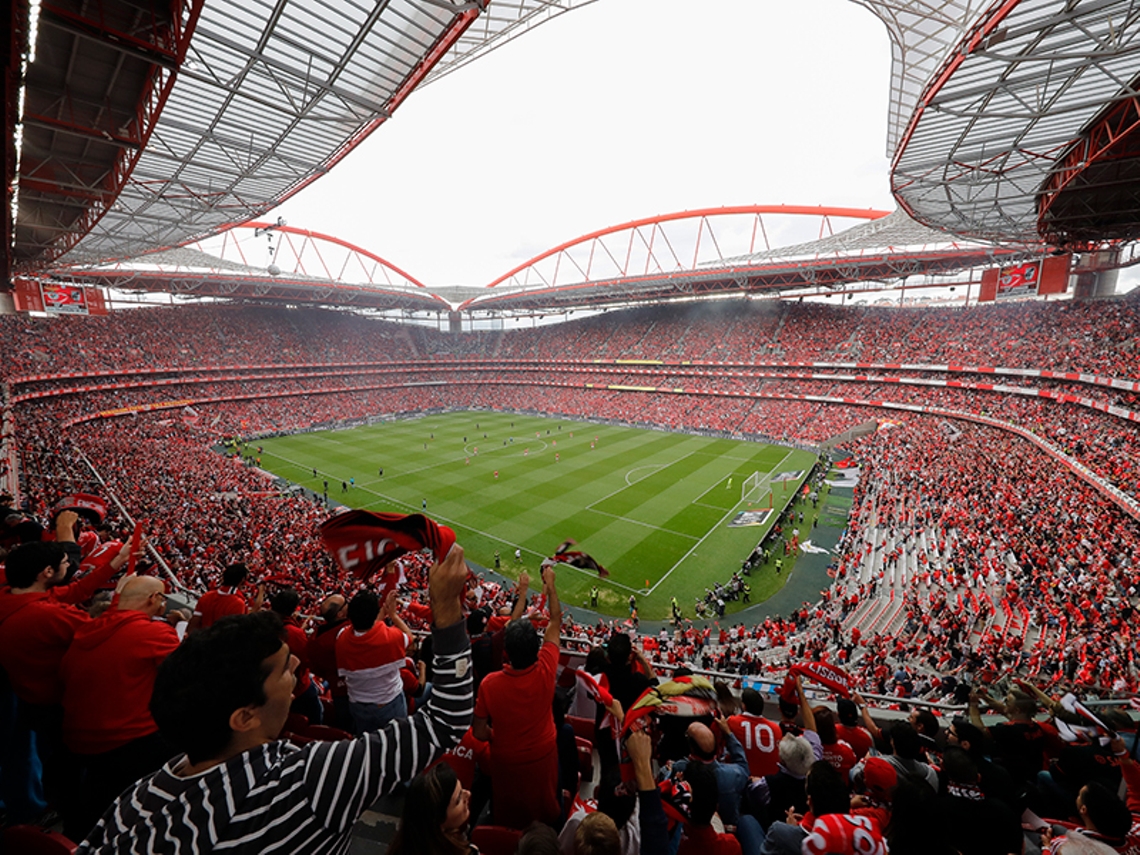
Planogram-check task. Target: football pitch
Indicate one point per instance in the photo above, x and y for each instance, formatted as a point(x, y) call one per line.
point(653, 507)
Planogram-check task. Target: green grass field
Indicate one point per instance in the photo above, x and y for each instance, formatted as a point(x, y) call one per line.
point(653, 507)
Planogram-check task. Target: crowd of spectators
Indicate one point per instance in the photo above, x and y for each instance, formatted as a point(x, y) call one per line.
point(221, 357)
point(216, 719)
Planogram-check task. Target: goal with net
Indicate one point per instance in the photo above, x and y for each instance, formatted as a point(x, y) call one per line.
point(752, 484)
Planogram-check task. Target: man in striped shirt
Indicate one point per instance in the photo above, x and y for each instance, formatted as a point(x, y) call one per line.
point(223, 698)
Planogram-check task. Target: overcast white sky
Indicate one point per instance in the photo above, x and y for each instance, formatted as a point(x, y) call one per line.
point(620, 110)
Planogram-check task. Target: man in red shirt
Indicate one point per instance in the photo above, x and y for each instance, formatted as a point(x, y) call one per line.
point(759, 736)
point(848, 729)
point(517, 703)
point(108, 676)
point(369, 655)
point(224, 600)
point(38, 618)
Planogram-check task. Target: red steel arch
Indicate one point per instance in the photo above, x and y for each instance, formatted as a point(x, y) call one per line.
point(702, 216)
point(310, 248)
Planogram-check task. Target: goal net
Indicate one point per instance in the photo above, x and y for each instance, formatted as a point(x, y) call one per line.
point(750, 486)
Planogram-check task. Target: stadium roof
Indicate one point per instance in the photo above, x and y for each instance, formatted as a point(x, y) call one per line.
point(887, 248)
point(149, 125)
point(1013, 134)
point(194, 273)
point(309, 267)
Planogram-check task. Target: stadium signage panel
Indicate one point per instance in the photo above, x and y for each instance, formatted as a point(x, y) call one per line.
point(63, 299)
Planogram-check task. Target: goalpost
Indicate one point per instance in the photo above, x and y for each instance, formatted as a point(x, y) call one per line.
point(750, 485)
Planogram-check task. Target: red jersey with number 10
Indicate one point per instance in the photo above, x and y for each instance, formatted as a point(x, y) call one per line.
point(761, 740)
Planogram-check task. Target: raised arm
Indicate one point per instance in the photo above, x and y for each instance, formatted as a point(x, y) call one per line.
point(976, 713)
point(805, 707)
point(868, 722)
point(654, 825)
point(520, 596)
point(344, 778)
point(84, 589)
point(736, 755)
point(392, 612)
point(646, 665)
point(554, 628)
point(1131, 772)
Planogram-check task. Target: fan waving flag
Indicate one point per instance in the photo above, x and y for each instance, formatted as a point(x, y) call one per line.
point(564, 555)
point(363, 543)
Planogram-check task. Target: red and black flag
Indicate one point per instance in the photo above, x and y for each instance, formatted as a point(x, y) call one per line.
point(564, 555)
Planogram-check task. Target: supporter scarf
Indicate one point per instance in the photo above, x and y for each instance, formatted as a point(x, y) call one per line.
point(599, 695)
point(91, 507)
point(100, 556)
point(1095, 726)
point(824, 673)
point(687, 697)
point(363, 543)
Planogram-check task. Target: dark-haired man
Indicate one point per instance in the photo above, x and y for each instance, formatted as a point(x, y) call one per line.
point(225, 599)
point(759, 736)
point(848, 729)
point(906, 754)
point(223, 698)
point(628, 671)
point(322, 657)
point(38, 617)
point(517, 704)
point(994, 781)
point(1104, 818)
point(369, 654)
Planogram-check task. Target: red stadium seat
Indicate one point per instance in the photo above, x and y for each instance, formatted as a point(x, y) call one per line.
point(33, 840)
point(583, 727)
